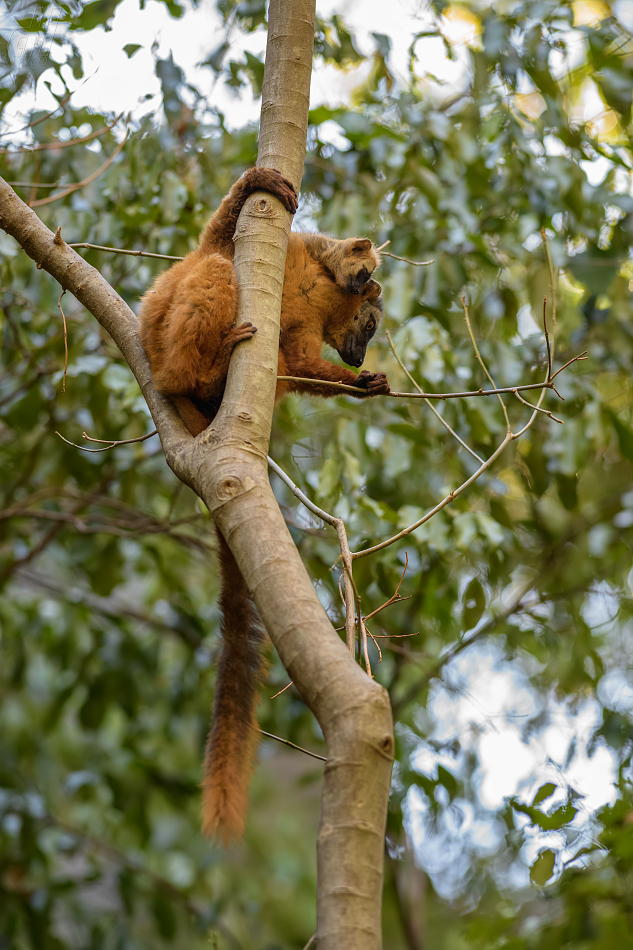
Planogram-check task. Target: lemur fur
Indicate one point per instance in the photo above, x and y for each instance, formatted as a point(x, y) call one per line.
point(187, 331)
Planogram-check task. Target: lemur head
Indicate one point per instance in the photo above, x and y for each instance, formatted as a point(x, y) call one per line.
point(351, 263)
point(351, 339)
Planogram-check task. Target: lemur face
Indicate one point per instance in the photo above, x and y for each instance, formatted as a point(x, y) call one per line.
point(351, 339)
point(351, 263)
point(358, 264)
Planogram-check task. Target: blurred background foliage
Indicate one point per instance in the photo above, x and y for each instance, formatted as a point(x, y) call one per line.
point(511, 812)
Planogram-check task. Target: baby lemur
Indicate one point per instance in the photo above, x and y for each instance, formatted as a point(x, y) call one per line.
point(187, 331)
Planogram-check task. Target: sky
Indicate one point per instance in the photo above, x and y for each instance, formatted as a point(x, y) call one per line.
point(116, 83)
point(483, 699)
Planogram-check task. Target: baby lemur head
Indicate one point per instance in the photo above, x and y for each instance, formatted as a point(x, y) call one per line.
point(351, 263)
point(350, 340)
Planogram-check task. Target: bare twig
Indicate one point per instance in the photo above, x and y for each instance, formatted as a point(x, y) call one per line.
point(375, 643)
point(85, 181)
point(131, 528)
point(510, 436)
point(110, 607)
point(299, 748)
point(118, 250)
point(549, 350)
point(552, 284)
point(59, 304)
point(363, 639)
point(33, 184)
point(442, 504)
point(344, 387)
point(407, 261)
point(30, 125)
point(545, 412)
point(303, 498)
point(57, 145)
point(482, 364)
point(574, 359)
point(110, 445)
point(430, 404)
point(97, 844)
point(282, 690)
point(351, 594)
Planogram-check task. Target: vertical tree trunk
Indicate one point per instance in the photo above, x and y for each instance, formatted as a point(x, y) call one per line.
point(226, 467)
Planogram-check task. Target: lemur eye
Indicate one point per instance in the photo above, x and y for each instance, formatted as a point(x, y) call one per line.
point(371, 325)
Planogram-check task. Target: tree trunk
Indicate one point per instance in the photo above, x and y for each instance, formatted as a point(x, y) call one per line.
point(226, 466)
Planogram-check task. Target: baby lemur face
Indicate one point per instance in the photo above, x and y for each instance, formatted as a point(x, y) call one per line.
point(351, 263)
point(351, 343)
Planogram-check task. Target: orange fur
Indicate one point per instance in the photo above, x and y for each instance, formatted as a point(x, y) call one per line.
point(187, 331)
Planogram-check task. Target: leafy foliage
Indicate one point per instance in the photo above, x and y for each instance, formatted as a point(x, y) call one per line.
point(108, 612)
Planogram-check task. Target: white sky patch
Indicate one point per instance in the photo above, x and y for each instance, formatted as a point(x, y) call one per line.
point(115, 83)
point(526, 324)
point(484, 703)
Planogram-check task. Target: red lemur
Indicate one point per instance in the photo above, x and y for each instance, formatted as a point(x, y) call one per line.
point(188, 334)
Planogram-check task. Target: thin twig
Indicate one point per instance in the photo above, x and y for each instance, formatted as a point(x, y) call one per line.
point(56, 145)
point(545, 412)
point(351, 594)
point(510, 436)
point(62, 102)
point(104, 847)
point(299, 748)
point(375, 643)
point(59, 304)
point(303, 498)
point(574, 359)
point(396, 636)
point(282, 690)
point(118, 250)
point(549, 351)
point(311, 944)
point(430, 404)
point(85, 181)
point(349, 586)
point(110, 607)
point(407, 261)
point(442, 504)
point(363, 634)
point(344, 387)
point(552, 284)
point(33, 184)
point(482, 364)
point(110, 445)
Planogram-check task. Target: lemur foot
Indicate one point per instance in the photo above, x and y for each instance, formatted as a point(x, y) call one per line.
point(244, 332)
point(269, 179)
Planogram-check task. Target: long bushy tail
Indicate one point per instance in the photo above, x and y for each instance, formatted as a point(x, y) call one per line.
point(234, 735)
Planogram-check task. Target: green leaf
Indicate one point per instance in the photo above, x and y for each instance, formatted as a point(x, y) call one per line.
point(164, 915)
point(543, 868)
point(474, 604)
point(624, 434)
point(96, 13)
point(130, 49)
point(544, 792)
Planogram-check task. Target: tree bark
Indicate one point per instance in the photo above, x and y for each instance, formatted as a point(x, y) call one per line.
point(226, 467)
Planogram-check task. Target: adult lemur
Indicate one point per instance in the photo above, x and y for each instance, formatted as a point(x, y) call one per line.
point(188, 334)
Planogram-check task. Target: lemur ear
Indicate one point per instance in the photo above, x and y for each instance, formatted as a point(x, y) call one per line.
point(362, 246)
point(372, 290)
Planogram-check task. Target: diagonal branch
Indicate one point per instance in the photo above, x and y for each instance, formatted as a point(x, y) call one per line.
point(430, 404)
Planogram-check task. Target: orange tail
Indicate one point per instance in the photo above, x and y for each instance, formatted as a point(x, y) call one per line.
point(232, 742)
